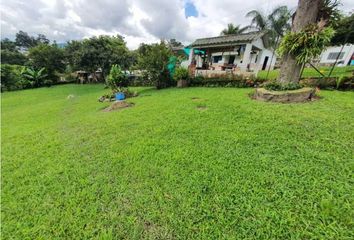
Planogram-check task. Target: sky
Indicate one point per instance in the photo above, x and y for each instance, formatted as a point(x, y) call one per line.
point(138, 21)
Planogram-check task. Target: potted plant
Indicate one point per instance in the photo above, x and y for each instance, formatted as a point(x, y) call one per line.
point(181, 75)
point(117, 81)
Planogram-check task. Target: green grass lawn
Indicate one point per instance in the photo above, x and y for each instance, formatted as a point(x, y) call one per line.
point(165, 169)
point(312, 73)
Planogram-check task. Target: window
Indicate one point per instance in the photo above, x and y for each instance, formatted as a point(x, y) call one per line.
point(334, 55)
point(216, 59)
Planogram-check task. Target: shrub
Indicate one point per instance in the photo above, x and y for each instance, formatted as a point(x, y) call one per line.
point(35, 77)
point(226, 81)
point(154, 61)
point(116, 79)
point(11, 78)
point(181, 73)
point(275, 86)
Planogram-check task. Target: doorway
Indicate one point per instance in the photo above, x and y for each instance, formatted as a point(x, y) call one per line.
point(265, 63)
point(231, 59)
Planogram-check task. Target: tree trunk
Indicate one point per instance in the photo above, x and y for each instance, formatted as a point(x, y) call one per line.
point(306, 13)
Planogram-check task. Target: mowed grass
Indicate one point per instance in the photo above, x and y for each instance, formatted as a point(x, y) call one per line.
point(195, 163)
point(310, 72)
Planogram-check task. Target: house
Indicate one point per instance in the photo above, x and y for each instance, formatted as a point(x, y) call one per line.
point(345, 56)
point(245, 53)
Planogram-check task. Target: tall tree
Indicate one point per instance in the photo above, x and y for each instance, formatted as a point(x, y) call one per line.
point(259, 20)
point(310, 15)
point(275, 24)
point(233, 29)
point(49, 57)
point(99, 52)
point(10, 54)
point(7, 44)
point(154, 61)
point(23, 39)
point(344, 31)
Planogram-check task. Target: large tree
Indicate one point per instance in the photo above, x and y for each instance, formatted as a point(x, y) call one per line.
point(344, 31)
point(99, 52)
point(23, 39)
point(49, 57)
point(153, 59)
point(233, 29)
point(275, 24)
point(307, 38)
point(10, 54)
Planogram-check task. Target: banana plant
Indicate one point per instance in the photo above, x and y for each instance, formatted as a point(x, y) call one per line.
point(35, 77)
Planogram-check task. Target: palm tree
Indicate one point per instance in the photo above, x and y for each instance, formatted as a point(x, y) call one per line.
point(259, 20)
point(233, 29)
point(35, 77)
point(275, 25)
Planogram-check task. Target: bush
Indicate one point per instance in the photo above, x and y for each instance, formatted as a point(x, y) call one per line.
point(11, 78)
point(339, 83)
point(116, 79)
point(238, 81)
point(275, 86)
point(181, 73)
point(154, 61)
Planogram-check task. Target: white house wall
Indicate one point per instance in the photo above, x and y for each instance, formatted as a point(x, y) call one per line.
point(263, 54)
point(348, 53)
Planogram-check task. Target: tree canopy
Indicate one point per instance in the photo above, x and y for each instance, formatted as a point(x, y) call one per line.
point(344, 31)
point(98, 52)
point(275, 24)
point(154, 61)
point(23, 39)
point(49, 57)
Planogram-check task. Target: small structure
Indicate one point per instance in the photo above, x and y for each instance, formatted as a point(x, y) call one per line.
point(345, 55)
point(82, 76)
point(245, 53)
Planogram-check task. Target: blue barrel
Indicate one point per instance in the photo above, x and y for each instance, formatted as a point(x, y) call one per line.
point(120, 96)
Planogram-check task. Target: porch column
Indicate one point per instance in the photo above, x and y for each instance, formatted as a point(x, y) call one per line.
point(191, 63)
point(246, 57)
point(259, 62)
point(191, 56)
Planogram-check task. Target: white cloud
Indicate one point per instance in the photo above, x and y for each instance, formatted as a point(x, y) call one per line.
point(137, 20)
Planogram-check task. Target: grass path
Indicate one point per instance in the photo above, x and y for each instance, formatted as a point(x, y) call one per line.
point(166, 169)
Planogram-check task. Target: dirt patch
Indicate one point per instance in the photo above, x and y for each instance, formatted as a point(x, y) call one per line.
point(202, 107)
point(197, 99)
point(117, 106)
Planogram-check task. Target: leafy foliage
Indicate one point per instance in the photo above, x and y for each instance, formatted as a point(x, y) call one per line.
point(27, 41)
point(98, 52)
point(116, 79)
point(233, 81)
point(49, 57)
point(35, 77)
point(154, 62)
point(13, 57)
point(275, 24)
point(276, 86)
point(181, 73)
point(344, 31)
point(7, 44)
point(306, 44)
point(11, 78)
point(329, 12)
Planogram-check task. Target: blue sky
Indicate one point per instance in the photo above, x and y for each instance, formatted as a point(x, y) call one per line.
point(190, 10)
